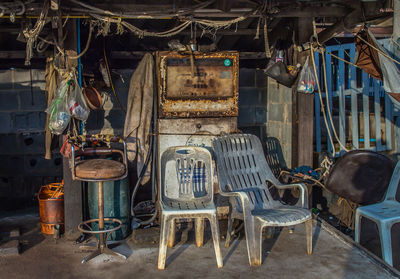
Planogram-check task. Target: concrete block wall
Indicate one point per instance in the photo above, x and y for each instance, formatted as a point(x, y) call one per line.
point(279, 117)
point(22, 120)
point(252, 102)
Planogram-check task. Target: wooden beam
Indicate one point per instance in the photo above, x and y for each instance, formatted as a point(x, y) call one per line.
point(20, 54)
point(139, 54)
point(308, 12)
point(348, 20)
point(230, 42)
point(143, 10)
point(304, 107)
point(72, 188)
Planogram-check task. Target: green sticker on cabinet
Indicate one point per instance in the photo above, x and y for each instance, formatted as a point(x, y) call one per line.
point(227, 62)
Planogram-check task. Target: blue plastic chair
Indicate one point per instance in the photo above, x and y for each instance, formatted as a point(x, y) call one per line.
point(385, 214)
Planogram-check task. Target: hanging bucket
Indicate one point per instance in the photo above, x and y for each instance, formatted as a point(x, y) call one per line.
point(51, 208)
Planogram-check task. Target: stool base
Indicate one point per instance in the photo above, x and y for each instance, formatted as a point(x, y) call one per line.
point(100, 251)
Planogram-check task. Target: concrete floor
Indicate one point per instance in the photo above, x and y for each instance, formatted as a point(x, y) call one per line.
point(284, 257)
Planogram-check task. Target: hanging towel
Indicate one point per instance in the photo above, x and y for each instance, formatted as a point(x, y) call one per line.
point(139, 112)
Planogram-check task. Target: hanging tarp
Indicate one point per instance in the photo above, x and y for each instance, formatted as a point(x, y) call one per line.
point(390, 72)
point(139, 112)
point(367, 57)
point(380, 63)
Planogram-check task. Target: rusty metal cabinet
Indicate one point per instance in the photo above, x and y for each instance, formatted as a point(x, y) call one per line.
point(197, 98)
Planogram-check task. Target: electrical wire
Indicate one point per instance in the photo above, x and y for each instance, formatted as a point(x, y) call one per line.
point(145, 14)
point(111, 83)
point(142, 172)
point(87, 44)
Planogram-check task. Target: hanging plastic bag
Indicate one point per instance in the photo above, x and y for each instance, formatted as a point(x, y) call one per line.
point(76, 102)
point(307, 79)
point(58, 109)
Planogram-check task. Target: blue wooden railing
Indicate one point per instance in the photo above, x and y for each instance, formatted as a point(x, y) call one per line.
point(352, 90)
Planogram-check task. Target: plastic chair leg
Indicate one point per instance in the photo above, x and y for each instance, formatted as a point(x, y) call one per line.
point(254, 241)
point(309, 235)
point(386, 242)
point(357, 227)
point(199, 228)
point(215, 235)
point(171, 235)
point(162, 253)
point(229, 230)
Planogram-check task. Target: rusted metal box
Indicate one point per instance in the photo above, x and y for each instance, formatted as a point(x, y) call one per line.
point(208, 89)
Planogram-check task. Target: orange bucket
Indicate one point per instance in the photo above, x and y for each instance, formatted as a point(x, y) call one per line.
point(51, 207)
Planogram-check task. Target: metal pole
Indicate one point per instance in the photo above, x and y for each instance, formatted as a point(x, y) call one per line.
point(101, 214)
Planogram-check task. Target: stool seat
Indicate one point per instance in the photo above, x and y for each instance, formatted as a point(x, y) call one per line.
point(99, 169)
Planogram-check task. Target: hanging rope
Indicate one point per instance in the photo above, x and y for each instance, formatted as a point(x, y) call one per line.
point(16, 8)
point(394, 41)
point(321, 100)
point(32, 34)
point(341, 59)
point(266, 40)
point(328, 106)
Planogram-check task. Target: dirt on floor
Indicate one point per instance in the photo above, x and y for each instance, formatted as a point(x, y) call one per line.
point(284, 256)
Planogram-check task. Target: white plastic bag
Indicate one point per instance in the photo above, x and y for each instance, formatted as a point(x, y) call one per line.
point(58, 109)
point(307, 79)
point(76, 102)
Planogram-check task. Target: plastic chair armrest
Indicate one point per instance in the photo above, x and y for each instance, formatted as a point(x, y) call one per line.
point(303, 201)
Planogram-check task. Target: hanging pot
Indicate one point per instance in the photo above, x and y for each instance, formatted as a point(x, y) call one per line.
point(93, 98)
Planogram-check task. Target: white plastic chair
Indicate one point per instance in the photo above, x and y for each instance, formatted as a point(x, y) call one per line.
point(385, 214)
point(187, 192)
point(243, 174)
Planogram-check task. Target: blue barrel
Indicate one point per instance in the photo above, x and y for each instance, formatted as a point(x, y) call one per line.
point(116, 205)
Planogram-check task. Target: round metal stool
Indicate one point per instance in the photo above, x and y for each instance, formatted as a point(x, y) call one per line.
point(99, 170)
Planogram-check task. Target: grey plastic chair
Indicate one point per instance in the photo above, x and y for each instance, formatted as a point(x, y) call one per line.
point(385, 214)
point(243, 173)
point(187, 192)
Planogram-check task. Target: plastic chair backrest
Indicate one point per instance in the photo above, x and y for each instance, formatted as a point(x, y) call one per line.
point(241, 164)
point(394, 183)
point(186, 174)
